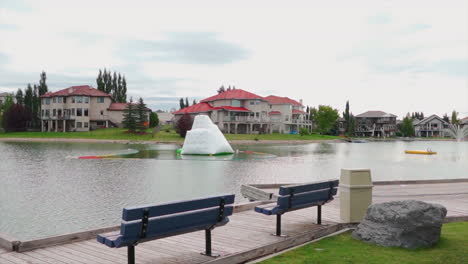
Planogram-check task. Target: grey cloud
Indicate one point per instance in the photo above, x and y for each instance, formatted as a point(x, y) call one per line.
point(189, 47)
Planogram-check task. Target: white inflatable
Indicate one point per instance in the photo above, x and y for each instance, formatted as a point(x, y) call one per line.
point(205, 138)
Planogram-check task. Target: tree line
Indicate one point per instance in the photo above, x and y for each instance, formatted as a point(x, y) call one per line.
point(25, 112)
point(113, 84)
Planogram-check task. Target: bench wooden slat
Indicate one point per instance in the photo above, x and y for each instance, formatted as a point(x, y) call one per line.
point(290, 202)
point(170, 225)
point(136, 213)
point(285, 190)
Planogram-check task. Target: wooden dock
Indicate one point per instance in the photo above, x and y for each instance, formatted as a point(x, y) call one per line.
point(247, 235)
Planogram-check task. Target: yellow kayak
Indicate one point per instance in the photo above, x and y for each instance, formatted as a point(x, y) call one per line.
point(420, 152)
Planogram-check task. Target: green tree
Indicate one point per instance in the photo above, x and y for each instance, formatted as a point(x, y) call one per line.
point(129, 117)
point(407, 128)
point(100, 81)
point(181, 103)
point(115, 88)
point(351, 126)
point(28, 98)
point(184, 124)
point(4, 107)
point(36, 107)
point(346, 116)
point(42, 84)
point(154, 119)
point(186, 102)
point(141, 116)
point(454, 120)
point(446, 118)
point(194, 102)
point(325, 117)
point(16, 118)
point(19, 97)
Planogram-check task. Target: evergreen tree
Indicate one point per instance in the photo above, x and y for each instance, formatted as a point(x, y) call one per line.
point(19, 97)
point(421, 115)
point(42, 84)
point(28, 98)
point(186, 102)
point(123, 95)
point(107, 82)
point(119, 89)
point(454, 120)
point(194, 102)
point(36, 110)
point(351, 126)
point(154, 119)
point(141, 116)
point(4, 107)
point(100, 81)
point(221, 89)
point(114, 89)
point(181, 103)
point(446, 118)
point(129, 117)
point(346, 117)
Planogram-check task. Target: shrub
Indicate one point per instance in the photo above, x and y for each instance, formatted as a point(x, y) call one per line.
point(304, 131)
point(16, 118)
point(184, 124)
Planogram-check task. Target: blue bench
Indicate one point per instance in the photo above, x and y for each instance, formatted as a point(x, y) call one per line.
point(294, 197)
point(145, 223)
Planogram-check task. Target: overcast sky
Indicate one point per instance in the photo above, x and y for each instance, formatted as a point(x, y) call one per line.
point(394, 56)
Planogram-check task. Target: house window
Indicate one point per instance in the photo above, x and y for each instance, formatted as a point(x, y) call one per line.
point(78, 124)
point(79, 112)
point(79, 99)
point(59, 100)
point(72, 125)
point(54, 100)
point(100, 99)
point(54, 112)
point(235, 103)
point(47, 100)
point(64, 100)
point(86, 112)
point(86, 100)
point(59, 112)
point(85, 124)
point(73, 99)
point(102, 112)
point(47, 112)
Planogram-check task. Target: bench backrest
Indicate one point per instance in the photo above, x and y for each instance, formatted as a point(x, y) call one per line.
point(298, 196)
point(146, 222)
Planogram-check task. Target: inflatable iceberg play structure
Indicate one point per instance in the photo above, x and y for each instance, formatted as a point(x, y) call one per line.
point(205, 138)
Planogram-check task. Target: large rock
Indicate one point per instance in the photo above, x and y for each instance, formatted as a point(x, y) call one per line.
point(407, 224)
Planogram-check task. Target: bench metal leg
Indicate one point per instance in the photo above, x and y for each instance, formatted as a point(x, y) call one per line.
point(319, 215)
point(131, 254)
point(278, 225)
point(208, 251)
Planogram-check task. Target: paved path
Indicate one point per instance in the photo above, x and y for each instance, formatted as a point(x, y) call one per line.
point(246, 232)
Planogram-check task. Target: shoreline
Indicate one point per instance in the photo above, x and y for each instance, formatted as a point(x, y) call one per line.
point(238, 142)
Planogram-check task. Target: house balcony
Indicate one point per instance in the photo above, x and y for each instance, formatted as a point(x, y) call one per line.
point(60, 117)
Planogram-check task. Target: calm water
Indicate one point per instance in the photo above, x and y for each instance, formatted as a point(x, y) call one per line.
point(45, 190)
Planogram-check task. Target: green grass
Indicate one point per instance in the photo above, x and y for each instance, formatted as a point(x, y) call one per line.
point(162, 136)
point(452, 248)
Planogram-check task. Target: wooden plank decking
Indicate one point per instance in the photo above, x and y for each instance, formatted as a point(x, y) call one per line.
point(247, 232)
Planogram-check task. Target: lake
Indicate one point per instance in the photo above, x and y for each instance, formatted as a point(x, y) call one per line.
point(46, 190)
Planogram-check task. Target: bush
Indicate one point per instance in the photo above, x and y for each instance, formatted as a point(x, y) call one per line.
point(16, 118)
point(154, 119)
point(304, 131)
point(184, 124)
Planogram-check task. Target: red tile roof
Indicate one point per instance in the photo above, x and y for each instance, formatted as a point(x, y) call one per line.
point(121, 107)
point(272, 99)
point(275, 113)
point(236, 94)
point(77, 90)
point(196, 108)
point(232, 108)
point(295, 111)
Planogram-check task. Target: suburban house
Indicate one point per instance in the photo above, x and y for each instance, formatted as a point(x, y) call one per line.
point(3, 97)
point(80, 108)
point(375, 124)
point(464, 122)
point(241, 112)
point(432, 126)
point(165, 118)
